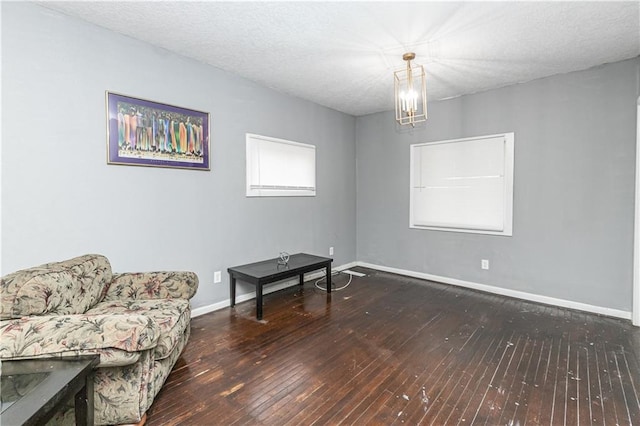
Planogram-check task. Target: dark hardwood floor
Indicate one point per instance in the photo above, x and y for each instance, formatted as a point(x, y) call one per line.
point(394, 350)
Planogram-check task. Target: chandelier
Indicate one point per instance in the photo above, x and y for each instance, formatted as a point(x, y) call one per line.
point(410, 93)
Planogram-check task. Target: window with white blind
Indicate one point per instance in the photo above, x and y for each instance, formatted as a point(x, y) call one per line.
point(463, 185)
point(280, 168)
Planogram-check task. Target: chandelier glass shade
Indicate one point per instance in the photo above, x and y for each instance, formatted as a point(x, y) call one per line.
point(410, 93)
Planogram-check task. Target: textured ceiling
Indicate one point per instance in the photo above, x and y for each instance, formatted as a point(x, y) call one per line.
point(342, 54)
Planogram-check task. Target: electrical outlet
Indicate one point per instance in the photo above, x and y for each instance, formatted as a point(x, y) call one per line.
point(217, 277)
point(330, 251)
point(484, 264)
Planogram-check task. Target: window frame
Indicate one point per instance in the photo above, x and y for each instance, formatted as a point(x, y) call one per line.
point(282, 191)
point(508, 172)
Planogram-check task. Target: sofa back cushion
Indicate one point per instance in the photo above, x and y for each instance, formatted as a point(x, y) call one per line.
point(69, 287)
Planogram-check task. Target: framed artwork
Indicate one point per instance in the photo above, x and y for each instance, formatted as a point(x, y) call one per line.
point(147, 133)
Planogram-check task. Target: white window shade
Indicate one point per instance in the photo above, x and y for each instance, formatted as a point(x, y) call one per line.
point(277, 167)
point(463, 185)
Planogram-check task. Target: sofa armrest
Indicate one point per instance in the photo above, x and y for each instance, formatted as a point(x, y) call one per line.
point(53, 335)
point(152, 285)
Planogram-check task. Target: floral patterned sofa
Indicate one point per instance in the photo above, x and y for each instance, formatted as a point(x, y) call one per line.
point(138, 323)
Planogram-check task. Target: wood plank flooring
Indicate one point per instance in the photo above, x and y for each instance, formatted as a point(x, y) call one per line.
point(393, 350)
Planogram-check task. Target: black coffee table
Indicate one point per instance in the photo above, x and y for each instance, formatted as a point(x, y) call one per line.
point(34, 390)
point(269, 271)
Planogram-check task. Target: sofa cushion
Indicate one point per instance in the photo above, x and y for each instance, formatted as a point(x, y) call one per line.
point(152, 285)
point(109, 357)
point(61, 334)
point(69, 287)
point(171, 315)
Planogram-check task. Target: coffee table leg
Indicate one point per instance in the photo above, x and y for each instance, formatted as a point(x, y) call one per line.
point(232, 290)
point(329, 278)
point(301, 279)
point(84, 403)
point(259, 301)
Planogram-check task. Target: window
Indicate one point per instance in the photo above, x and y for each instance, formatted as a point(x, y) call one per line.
point(277, 168)
point(463, 185)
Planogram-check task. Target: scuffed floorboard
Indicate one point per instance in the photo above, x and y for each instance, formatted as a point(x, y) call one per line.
point(394, 350)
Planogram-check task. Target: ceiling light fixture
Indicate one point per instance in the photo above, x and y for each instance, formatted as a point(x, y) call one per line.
point(410, 93)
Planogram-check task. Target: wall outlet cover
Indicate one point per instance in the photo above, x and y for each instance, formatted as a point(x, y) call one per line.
point(217, 276)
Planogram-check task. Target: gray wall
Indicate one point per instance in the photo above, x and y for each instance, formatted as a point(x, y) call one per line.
point(574, 167)
point(60, 198)
point(575, 138)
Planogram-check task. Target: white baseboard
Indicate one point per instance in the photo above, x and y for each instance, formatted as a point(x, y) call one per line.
point(505, 292)
point(209, 308)
point(270, 289)
point(563, 303)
